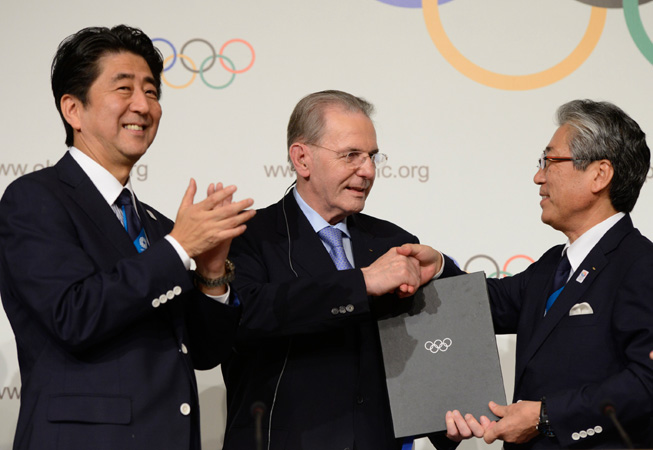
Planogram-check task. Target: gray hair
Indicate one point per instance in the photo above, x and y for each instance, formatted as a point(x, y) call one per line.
point(601, 130)
point(307, 119)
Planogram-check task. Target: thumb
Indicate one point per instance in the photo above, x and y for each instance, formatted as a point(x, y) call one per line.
point(189, 195)
point(497, 410)
point(408, 250)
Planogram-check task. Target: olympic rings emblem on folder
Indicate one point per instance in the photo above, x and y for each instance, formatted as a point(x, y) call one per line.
point(438, 345)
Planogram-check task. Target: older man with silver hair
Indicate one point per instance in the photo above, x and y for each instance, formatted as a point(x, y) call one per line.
point(583, 313)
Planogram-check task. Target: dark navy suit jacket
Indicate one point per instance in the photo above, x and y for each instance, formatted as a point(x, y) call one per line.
point(581, 361)
point(309, 337)
point(107, 338)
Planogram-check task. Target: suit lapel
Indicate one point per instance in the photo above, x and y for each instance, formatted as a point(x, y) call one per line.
point(363, 244)
point(154, 229)
point(307, 252)
point(82, 191)
point(579, 283)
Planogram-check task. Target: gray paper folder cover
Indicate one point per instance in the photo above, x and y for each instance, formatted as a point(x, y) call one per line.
point(442, 355)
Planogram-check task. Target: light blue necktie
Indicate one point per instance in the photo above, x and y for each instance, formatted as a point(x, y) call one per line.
point(333, 237)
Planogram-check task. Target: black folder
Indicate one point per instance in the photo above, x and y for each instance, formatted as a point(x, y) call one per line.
point(440, 355)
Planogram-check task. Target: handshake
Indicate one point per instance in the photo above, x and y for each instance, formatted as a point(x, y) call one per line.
point(402, 270)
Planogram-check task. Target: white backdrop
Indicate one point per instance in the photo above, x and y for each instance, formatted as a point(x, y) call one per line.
point(462, 143)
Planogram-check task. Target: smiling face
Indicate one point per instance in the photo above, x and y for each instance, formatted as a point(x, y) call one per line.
point(330, 186)
point(121, 117)
point(569, 196)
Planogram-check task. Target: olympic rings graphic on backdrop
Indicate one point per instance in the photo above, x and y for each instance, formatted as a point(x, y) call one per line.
point(438, 345)
point(513, 82)
point(410, 3)
point(498, 273)
point(636, 28)
point(546, 77)
point(206, 65)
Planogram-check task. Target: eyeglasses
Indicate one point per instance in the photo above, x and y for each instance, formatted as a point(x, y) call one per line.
point(356, 159)
point(542, 162)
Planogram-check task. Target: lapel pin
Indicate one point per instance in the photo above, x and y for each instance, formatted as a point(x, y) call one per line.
point(582, 276)
point(151, 214)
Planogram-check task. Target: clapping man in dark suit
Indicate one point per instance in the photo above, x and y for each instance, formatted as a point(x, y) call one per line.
point(583, 313)
point(314, 274)
point(110, 323)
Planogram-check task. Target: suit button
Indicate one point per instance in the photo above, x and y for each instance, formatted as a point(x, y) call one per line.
point(583, 434)
point(156, 303)
point(342, 310)
point(176, 290)
point(184, 349)
point(598, 429)
point(335, 311)
point(590, 432)
point(170, 294)
point(185, 409)
point(360, 400)
point(163, 298)
point(575, 436)
point(349, 308)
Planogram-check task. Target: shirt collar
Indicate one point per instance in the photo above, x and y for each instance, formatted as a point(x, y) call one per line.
point(317, 221)
point(107, 184)
point(581, 247)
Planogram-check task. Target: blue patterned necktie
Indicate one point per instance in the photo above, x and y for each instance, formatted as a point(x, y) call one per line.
point(131, 222)
point(333, 237)
point(559, 280)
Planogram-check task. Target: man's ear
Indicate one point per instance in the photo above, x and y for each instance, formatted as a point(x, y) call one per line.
point(602, 176)
point(71, 109)
point(301, 159)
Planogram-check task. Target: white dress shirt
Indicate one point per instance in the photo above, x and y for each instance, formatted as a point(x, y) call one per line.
point(110, 188)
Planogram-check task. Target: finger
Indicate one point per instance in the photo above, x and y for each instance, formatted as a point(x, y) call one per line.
point(229, 211)
point(453, 432)
point(485, 422)
point(474, 426)
point(226, 201)
point(489, 437)
point(406, 250)
point(403, 290)
point(497, 410)
point(414, 251)
point(234, 221)
point(189, 195)
point(462, 425)
point(492, 430)
point(217, 197)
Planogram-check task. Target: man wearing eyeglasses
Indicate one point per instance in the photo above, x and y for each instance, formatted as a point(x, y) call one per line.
point(313, 274)
point(583, 313)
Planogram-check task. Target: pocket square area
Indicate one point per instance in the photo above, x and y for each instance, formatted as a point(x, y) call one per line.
point(580, 309)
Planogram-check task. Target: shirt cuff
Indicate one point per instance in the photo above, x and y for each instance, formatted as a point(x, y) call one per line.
point(185, 259)
point(180, 251)
point(224, 298)
point(437, 275)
